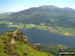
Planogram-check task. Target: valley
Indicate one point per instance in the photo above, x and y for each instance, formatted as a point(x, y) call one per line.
point(49, 28)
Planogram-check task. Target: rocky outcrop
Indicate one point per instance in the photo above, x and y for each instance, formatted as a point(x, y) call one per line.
point(16, 35)
point(10, 44)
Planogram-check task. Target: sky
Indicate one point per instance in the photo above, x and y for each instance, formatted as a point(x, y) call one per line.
point(18, 5)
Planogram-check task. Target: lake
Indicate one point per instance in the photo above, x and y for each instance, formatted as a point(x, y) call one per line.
point(45, 37)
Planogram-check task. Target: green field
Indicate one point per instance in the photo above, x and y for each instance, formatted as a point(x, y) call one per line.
point(58, 30)
point(66, 31)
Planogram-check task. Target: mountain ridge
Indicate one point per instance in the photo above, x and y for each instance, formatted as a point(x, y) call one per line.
point(50, 15)
point(47, 7)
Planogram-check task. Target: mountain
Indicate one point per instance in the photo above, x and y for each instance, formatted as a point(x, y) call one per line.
point(8, 13)
point(45, 8)
point(51, 15)
point(15, 43)
point(48, 14)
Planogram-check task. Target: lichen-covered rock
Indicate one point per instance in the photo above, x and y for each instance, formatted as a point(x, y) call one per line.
point(16, 35)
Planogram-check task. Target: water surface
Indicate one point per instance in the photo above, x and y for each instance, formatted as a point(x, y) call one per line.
point(45, 37)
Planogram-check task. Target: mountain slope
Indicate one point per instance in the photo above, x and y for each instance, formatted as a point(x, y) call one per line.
point(51, 15)
point(15, 43)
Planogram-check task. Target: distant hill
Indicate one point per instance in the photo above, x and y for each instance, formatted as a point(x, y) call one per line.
point(48, 14)
point(8, 13)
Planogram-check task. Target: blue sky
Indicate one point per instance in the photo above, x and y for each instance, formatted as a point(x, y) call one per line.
point(18, 5)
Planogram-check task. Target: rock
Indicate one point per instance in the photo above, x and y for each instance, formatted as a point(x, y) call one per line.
point(16, 35)
point(13, 41)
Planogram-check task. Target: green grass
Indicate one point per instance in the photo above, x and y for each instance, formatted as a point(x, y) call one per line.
point(4, 36)
point(2, 45)
point(24, 48)
point(17, 26)
point(19, 48)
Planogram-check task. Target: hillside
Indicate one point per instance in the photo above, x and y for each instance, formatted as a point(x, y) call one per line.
point(49, 14)
point(15, 43)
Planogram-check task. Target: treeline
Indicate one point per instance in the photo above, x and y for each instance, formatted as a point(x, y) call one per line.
point(54, 49)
